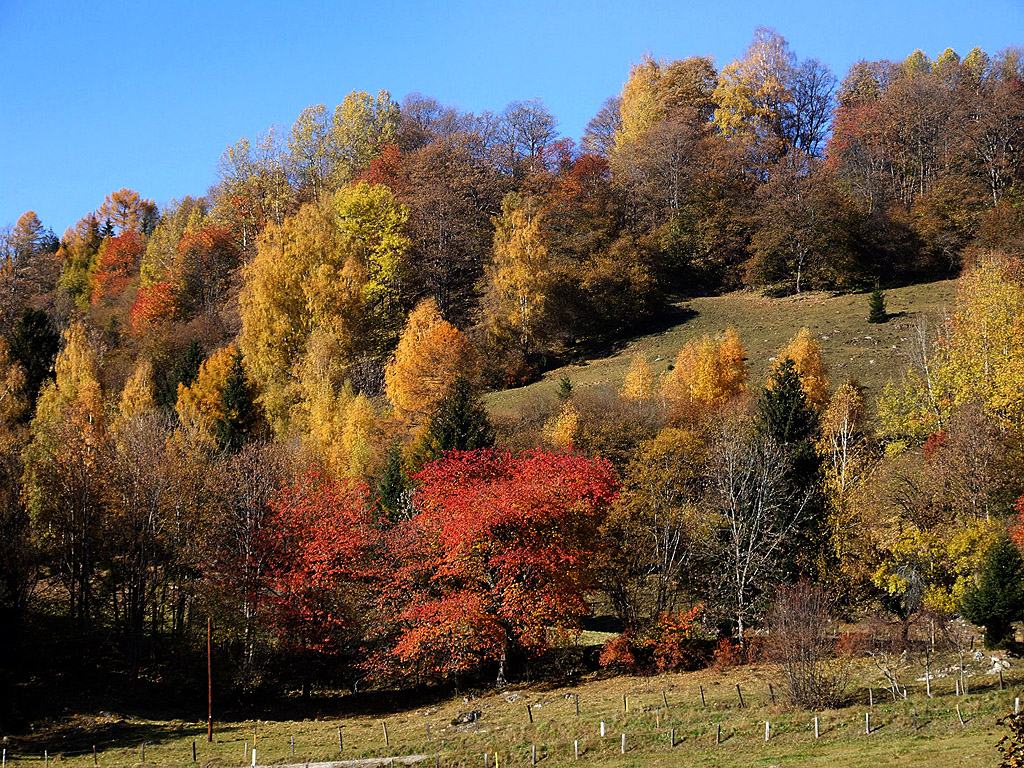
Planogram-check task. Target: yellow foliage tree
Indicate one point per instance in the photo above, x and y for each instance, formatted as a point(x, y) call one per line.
point(64, 467)
point(639, 107)
point(12, 382)
point(707, 374)
point(519, 277)
point(564, 429)
point(639, 382)
point(201, 404)
point(431, 354)
point(978, 356)
point(137, 397)
point(805, 352)
point(306, 275)
point(358, 437)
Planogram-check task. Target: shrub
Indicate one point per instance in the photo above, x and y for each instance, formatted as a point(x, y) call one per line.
point(802, 643)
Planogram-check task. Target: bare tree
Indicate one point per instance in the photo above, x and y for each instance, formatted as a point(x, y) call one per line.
point(599, 136)
point(760, 514)
point(802, 642)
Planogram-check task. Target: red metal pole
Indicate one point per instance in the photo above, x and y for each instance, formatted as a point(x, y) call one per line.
point(209, 678)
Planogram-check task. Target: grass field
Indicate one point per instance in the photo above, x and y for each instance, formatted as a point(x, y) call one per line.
point(872, 354)
point(504, 727)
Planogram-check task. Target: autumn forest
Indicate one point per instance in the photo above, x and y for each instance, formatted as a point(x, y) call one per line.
point(264, 405)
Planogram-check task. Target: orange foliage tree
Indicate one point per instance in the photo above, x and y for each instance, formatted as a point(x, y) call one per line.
point(431, 354)
point(707, 374)
point(118, 263)
point(153, 304)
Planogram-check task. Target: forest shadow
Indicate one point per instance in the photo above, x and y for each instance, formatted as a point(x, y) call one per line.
point(674, 314)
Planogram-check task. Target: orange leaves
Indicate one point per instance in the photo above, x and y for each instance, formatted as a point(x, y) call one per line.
point(431, 354)
point(805, 352)
point(153, 304)
point(707, 374)
point(119, 259)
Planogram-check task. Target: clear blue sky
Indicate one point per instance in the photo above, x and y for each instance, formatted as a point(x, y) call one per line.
point(98, 95)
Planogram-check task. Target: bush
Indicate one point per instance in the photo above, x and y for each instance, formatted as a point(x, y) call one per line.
point(802, 643)
point(675, 642)
point(727, 654)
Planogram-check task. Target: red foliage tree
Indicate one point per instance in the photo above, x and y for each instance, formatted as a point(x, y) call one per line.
point(385, 168)
point(205, 260)
point(497, 558)
point(318, 541)
point(153, 304)
point(119, 260)
point(1017, 524)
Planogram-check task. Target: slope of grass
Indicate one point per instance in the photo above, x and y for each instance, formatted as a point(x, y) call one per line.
point(937, 739)
point(873, 354)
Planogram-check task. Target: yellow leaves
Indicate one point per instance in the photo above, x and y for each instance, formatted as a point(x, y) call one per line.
point(12, 380)
point(639, 382)
point(986, 341)
point(370, 217)
point(519, 277)
point(306, 275)
point(76, 367)
point(137, 397)
point(431, 354)
point(564, 429)
point(839, 444)
point(201, 404)
point(805, 352)
point(707, 374)
point(979, 357)
point(943, 558)
point(639, 109)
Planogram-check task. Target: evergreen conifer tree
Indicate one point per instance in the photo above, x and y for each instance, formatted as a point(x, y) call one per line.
point(785, 417)
point(460, 423)
point(876, 306)
point(564, 388)
point(238, 422)
point(997, 599)
point(394, 483)
point(34, 344)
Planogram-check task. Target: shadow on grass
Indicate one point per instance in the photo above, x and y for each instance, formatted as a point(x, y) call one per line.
point(79, 737)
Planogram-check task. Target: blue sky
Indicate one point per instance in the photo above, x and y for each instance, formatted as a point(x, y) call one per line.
point(95, 96)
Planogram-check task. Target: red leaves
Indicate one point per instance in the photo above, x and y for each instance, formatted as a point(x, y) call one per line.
point(385, 168)
point(153, 304)
point(318, 539)
point(119, 259)
point(497, 555)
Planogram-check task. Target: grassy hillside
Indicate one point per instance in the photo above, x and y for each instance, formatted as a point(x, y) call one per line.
point(853, 347)
point(938, 740)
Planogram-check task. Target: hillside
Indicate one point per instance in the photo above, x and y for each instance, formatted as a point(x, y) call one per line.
point(918, 729)
point(872, 354)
